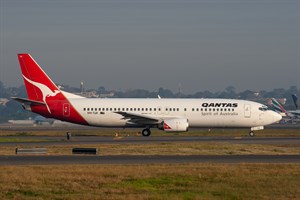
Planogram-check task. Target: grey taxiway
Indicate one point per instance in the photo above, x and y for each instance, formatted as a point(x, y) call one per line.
point(143, 159)
point(31, 141)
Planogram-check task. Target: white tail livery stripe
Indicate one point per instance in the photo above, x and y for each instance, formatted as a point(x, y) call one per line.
point(46, 92)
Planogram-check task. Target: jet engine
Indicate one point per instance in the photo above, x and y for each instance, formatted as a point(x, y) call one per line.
point(174, 125)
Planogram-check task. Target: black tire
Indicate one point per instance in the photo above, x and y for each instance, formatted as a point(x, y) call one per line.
point(251, 134)
point(146, 132)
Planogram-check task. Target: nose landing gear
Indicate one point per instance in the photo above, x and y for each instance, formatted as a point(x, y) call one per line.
point(251, 134)
point(256, 128)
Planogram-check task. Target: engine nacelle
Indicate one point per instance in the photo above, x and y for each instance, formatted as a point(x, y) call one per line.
point(175, 125)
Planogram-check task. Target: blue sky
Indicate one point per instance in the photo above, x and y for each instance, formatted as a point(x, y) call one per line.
point(201, 45)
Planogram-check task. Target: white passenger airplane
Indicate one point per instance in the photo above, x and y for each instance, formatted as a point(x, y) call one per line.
point(176, 115)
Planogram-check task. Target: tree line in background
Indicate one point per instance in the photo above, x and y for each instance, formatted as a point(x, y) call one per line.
point(10, 109)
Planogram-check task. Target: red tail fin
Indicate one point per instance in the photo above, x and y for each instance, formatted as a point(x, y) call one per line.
point(38, 84)
point(44, 96)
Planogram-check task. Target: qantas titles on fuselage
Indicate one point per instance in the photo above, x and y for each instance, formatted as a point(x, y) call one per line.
point(218, 105)
point(46, 99)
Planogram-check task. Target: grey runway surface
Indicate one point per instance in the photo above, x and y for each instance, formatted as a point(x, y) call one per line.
point(77, 140)
point(129, 160)
point(44, 141)
point(143, 159)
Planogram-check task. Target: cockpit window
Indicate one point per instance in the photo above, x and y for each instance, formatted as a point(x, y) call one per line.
point(263, 108)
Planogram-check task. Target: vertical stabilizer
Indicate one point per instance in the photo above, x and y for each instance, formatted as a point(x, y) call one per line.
point(296, 101)
point(38, 85)
point(44, 97)
point(278, 107)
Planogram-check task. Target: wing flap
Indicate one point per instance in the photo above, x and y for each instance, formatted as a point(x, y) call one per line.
point(139, 119)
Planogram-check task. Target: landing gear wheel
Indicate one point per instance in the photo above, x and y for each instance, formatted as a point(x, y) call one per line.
point(146, 132)
point(251, 134)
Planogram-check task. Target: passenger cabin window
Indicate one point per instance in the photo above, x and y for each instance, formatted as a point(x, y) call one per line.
point(263, 108)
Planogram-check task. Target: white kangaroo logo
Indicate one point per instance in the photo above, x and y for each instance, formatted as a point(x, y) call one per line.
point(44, 89)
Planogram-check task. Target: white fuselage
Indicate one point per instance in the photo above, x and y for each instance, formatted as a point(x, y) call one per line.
point(198, 112)
point(46, 99)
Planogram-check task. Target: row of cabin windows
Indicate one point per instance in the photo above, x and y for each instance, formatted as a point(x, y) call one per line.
point(213, 109)
point(155, 109)
point(121, 109)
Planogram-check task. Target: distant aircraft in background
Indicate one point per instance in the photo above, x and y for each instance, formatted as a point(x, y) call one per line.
point(38, 120)
point(169, 115)
point(280, 109)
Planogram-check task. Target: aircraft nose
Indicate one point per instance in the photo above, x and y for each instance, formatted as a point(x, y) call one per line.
point(276, 116)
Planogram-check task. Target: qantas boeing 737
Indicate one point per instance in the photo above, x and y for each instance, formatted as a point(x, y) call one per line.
point(176, 115)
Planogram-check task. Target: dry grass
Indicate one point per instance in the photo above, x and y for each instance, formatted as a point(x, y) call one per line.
point(165, 181)
point(176, 181)
point(180, 148)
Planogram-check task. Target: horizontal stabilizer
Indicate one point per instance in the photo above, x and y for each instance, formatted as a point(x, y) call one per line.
point(27, 101)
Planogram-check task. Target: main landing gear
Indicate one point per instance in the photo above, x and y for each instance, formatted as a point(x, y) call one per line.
point(146, 132)
point(251, 134)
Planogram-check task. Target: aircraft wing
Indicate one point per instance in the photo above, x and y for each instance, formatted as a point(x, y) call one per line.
point(140, 119)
